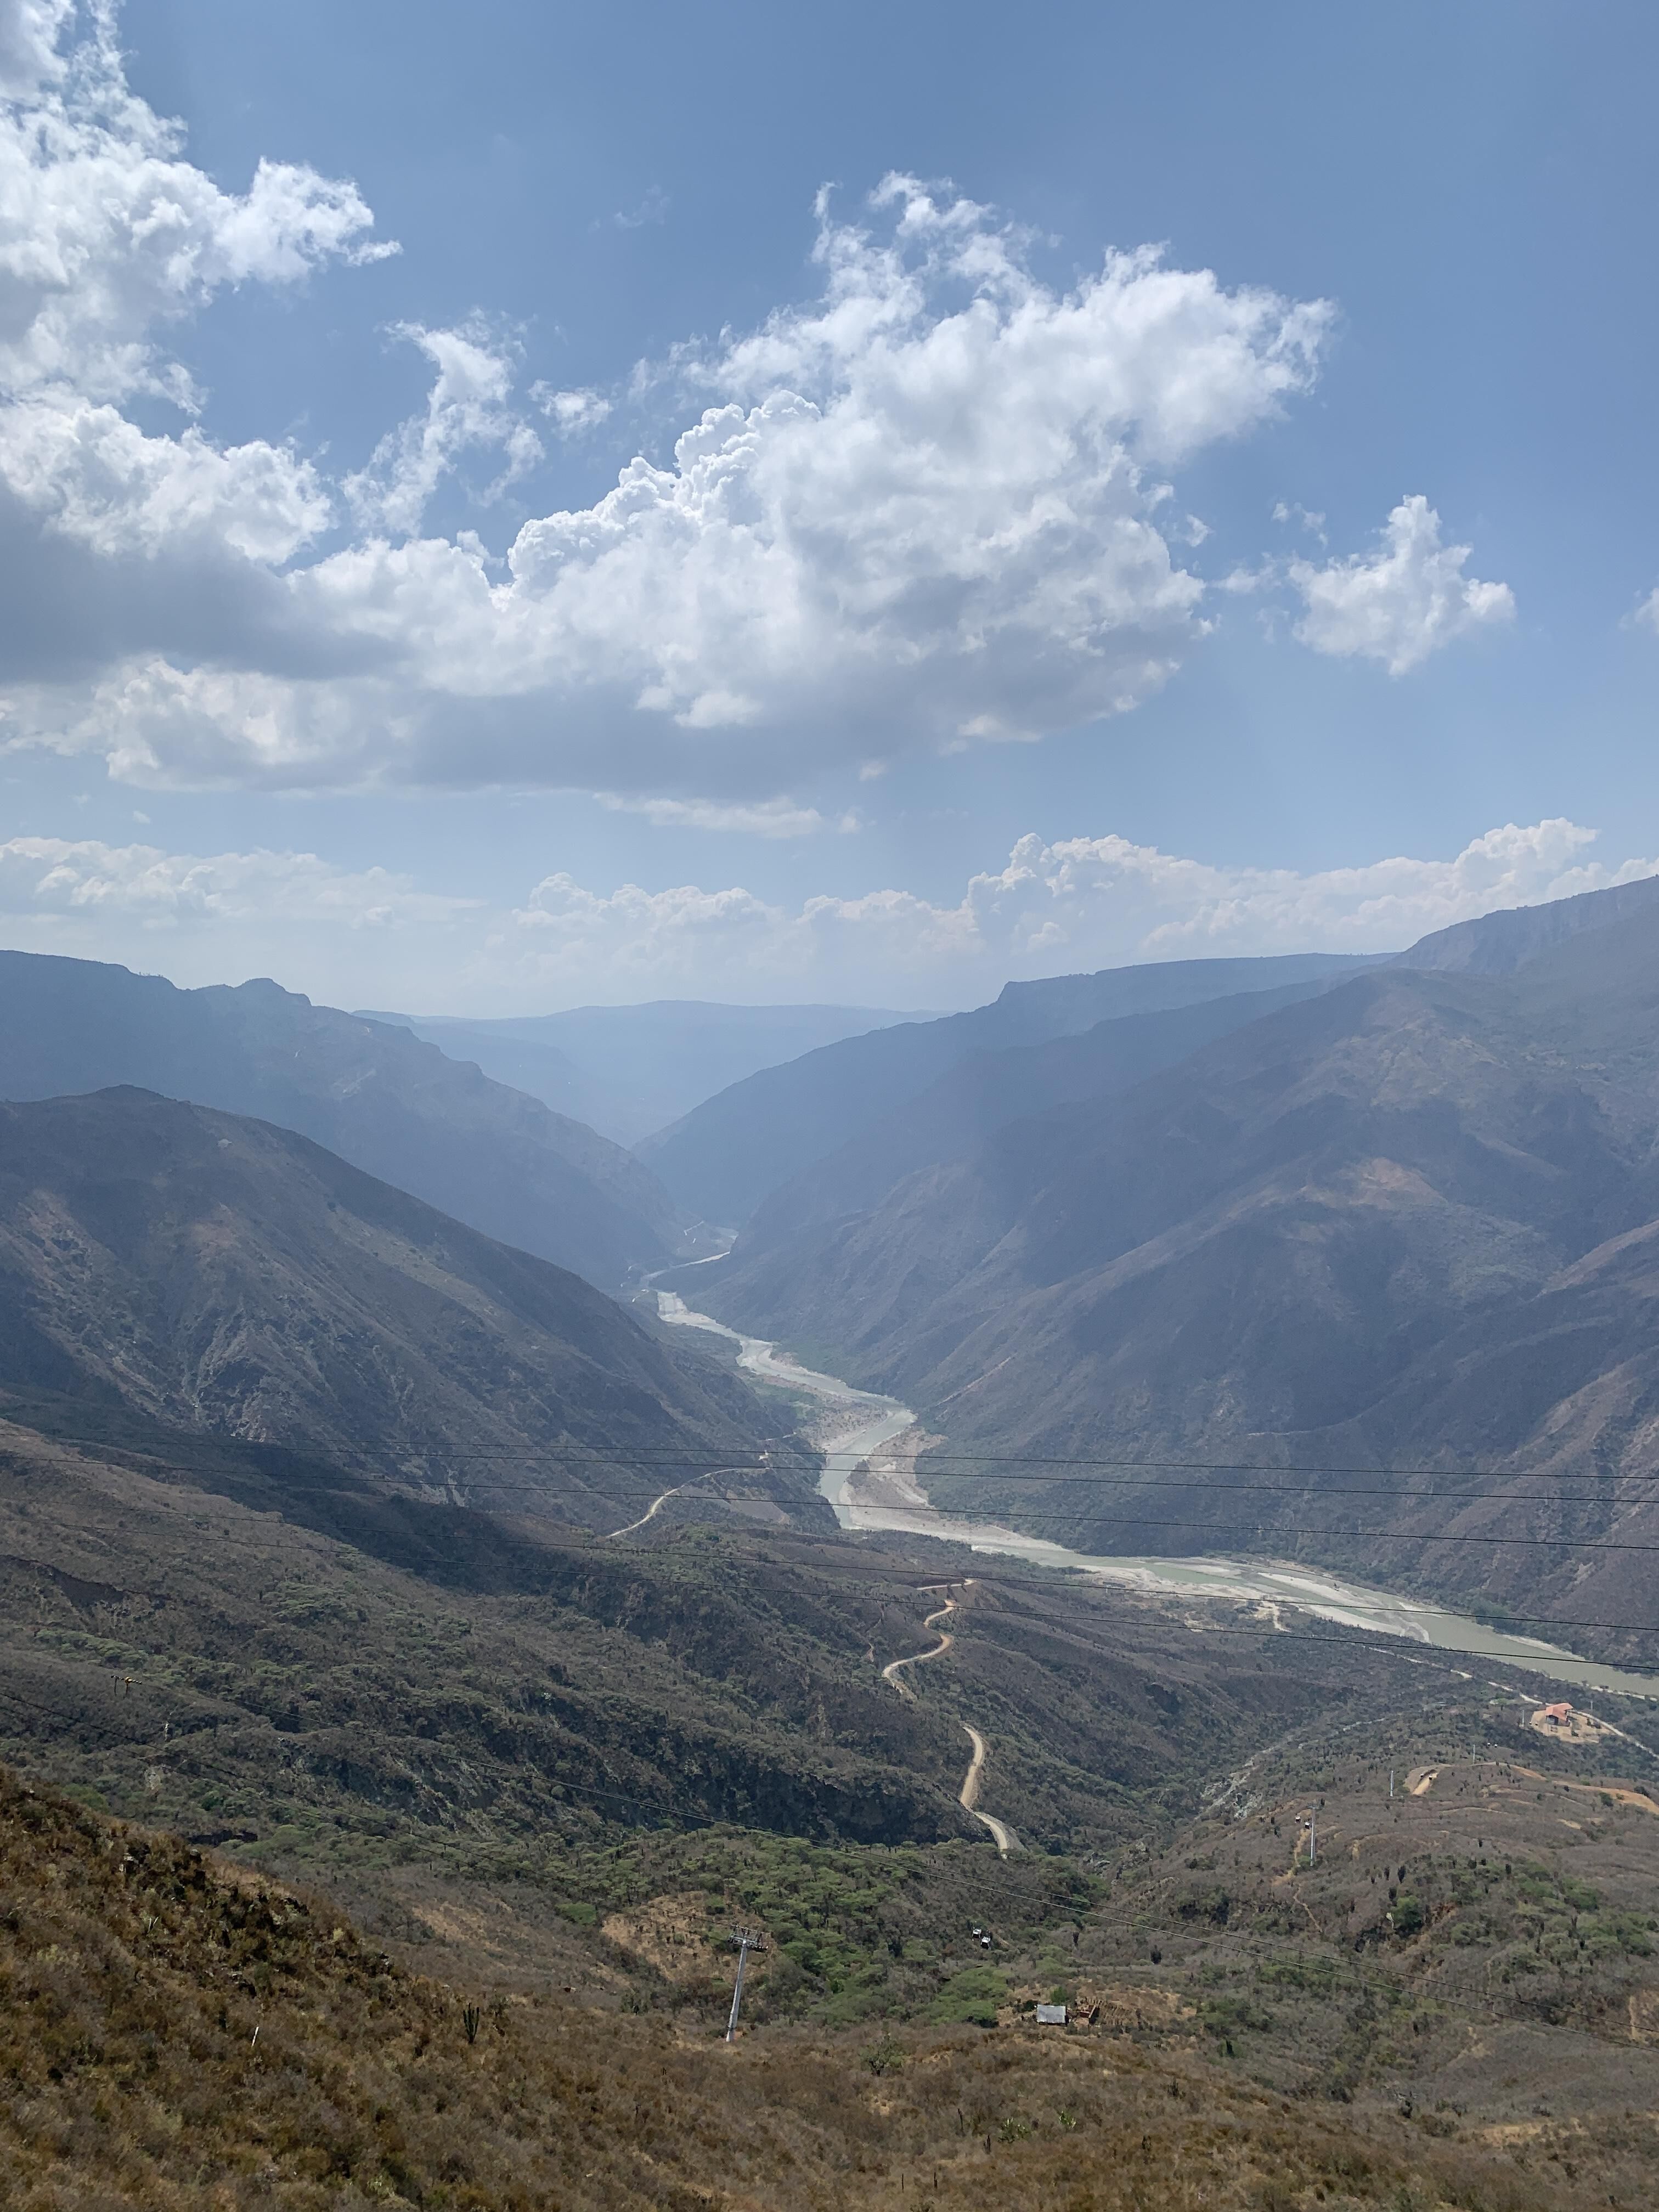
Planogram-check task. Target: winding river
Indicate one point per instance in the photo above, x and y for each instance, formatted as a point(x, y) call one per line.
point(856, 1424)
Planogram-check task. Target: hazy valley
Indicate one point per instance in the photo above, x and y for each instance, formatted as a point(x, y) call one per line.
point(363, 1526)
point(497, 1158)
point(1400, 1224)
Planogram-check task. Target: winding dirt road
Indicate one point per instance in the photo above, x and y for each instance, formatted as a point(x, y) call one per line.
point(1002, 1835)
point(968, 1798)
point(657, 1504)
point(891, 1672)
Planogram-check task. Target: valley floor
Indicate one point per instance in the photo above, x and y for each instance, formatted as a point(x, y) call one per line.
point(873, 1448)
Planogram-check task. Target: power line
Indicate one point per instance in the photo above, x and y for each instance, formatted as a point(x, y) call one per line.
point(1224, 1529)
point(944, 1467)
point(1153, 1479)
point(1124, 1482)
point(946, 1461)
point(1249, 1466)
point(1138, 1521)
point(1172, 1593)
point(682, 1465)
point(1084, 1460)
point(677, 1456)
point(1176, 1593)
point(1220, 1528)
point(1144, 1473)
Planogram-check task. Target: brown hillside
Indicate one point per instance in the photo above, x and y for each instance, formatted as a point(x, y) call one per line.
point(176, 2037)
point(222, 1274)
point(1405, 1225)
point(381, 1098)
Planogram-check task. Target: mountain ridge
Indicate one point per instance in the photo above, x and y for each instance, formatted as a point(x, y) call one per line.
point(378, 1095)
point(972, 1099)
point(726, 1156)
point(1401, 1223)
point(629, 1071)
point(1497, 944)
point(221, 1274)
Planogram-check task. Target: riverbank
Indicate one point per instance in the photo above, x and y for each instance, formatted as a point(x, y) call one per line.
point(856, 1425)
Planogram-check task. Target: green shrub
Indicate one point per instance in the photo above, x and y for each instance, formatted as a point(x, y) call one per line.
point(971, 1996)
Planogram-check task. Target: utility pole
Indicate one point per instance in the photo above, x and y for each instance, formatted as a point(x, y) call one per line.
point(746, 1941)
point(1313, 1840)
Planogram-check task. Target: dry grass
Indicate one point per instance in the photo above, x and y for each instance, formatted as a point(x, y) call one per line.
point(134, 1973)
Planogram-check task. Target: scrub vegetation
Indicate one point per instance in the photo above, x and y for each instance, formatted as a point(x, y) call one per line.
point(179, 2036)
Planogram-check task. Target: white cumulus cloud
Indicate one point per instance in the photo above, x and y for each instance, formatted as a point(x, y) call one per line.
point(1066, 907)
point(95, 478)
point(119, 538)
point(910, 520)
point(150, 888)
point(925, 508)
point(571, 413)
point(1084, 894)
point(107, 234)
point(1401, 603)
point(765, 818)
point(469, 407)
point(374, 937)
point(30, 31)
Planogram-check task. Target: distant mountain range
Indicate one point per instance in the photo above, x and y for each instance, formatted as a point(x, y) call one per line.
point(629, 1071)
point(978, 1095)
point(382, 1098)
point(1299, 1213)
point(215, 1274)
point(727, 1155)
point(1411, 1221)
point(1497, 944)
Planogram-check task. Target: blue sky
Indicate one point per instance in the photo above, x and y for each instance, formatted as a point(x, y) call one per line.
point(1025, 610)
